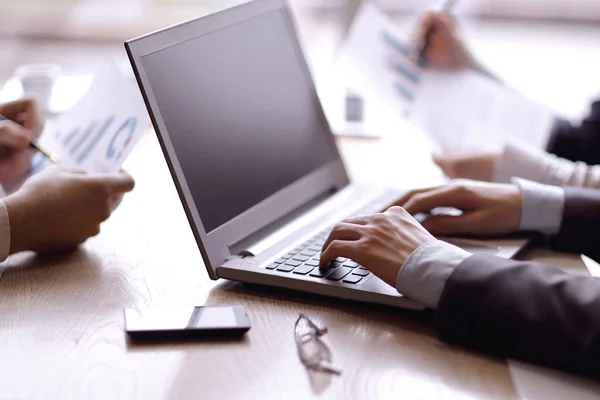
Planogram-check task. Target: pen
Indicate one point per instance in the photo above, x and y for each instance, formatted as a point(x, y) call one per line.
point(420, 50)
point(34, 145)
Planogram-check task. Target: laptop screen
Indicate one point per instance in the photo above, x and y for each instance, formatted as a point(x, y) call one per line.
point(241, 114)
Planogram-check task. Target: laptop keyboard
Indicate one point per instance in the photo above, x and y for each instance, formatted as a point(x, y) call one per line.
point(305, 259)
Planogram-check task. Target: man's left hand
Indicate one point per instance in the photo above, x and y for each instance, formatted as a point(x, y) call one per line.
point(381, 242)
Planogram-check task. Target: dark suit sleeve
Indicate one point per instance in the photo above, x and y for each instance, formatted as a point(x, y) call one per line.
point(580, 227)
point(525, 311)
point(578, 142)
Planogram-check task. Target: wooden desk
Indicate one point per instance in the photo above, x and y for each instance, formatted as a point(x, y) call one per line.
point(61, 322)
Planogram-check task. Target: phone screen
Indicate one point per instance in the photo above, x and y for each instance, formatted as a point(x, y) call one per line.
point(187, 320)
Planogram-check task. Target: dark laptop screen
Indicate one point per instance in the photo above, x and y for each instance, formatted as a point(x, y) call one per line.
point(241, 114)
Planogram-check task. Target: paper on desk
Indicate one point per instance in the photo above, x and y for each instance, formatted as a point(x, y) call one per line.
point(466, 110)
point(98, 133)
point(534, 382)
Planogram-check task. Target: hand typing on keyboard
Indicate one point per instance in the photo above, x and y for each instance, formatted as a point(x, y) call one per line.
point(380, 242)
point(488, 209)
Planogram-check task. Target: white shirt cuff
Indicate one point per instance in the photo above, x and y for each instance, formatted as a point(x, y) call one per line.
point(424, 274)
point(4, 232)
point(542, 207)
point(523, 161)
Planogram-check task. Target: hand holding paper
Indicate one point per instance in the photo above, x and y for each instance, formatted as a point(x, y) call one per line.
point(98, 133)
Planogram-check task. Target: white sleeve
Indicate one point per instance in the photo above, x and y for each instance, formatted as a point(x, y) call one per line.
point(523, 161)
point(4, 232)
point(542, 206)
point(424, 274)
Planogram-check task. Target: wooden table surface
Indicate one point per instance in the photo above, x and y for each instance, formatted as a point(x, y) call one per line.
point(61, 321)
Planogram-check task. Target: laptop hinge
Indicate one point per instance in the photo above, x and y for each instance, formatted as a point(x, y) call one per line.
point(242, 248)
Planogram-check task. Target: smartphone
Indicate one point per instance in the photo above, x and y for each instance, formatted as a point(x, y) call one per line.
point(186, 322)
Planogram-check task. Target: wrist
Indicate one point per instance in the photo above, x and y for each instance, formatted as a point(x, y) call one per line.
point(16, 215)
point(424, 274)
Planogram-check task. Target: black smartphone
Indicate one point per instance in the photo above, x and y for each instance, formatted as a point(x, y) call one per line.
point(186, 322)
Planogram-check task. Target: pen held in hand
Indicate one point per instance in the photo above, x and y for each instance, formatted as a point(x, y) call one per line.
point(46, 153)
point(424, 43)
point(34, 145)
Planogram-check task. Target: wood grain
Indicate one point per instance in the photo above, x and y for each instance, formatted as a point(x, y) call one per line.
point(62, 335)
point(61, 323)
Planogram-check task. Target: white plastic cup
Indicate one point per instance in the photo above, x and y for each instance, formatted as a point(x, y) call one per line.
point(39, 80)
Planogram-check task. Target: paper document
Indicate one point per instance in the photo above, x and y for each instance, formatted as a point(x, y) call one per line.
point(457, 110)
point(375, 63)
point(467, 110)
point(98, 133)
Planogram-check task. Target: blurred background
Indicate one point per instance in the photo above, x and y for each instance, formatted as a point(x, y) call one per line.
point(528, 43)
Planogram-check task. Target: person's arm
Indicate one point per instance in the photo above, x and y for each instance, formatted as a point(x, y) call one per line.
point(520, 160)
point(580, 224)
point(513, 309)
point(578, 142)
point(509, 308)
point(571, 158)
point(523, 310)
point(426, 270)
point(573, 153)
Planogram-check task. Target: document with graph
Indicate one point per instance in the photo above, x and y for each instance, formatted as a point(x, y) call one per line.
point(455, 109)
point(99, 132)
point(376, 63)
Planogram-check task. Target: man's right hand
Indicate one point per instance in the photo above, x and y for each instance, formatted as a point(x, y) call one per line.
point(60, 208)
point(446, 49)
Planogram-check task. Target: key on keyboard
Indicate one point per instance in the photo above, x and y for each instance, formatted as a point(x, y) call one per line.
point(339, 273)
point(352, 278)
point(350, 264)
point(303, 270)
point(301, 258)
point(317, 273)
point(285, 268)
point(300, 262)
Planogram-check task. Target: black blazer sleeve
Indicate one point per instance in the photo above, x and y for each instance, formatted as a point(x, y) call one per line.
point(525, 311)
point(578, 143)
point(580, 227)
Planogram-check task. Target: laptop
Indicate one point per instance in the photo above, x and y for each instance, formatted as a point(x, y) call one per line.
point(252, 155)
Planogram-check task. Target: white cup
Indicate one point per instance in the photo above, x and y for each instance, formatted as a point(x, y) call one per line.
point(38, 80)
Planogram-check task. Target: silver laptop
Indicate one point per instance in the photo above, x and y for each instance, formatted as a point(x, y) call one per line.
point(252, 155)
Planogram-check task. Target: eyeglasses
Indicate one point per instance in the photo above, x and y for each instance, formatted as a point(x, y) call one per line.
point(313, 352)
